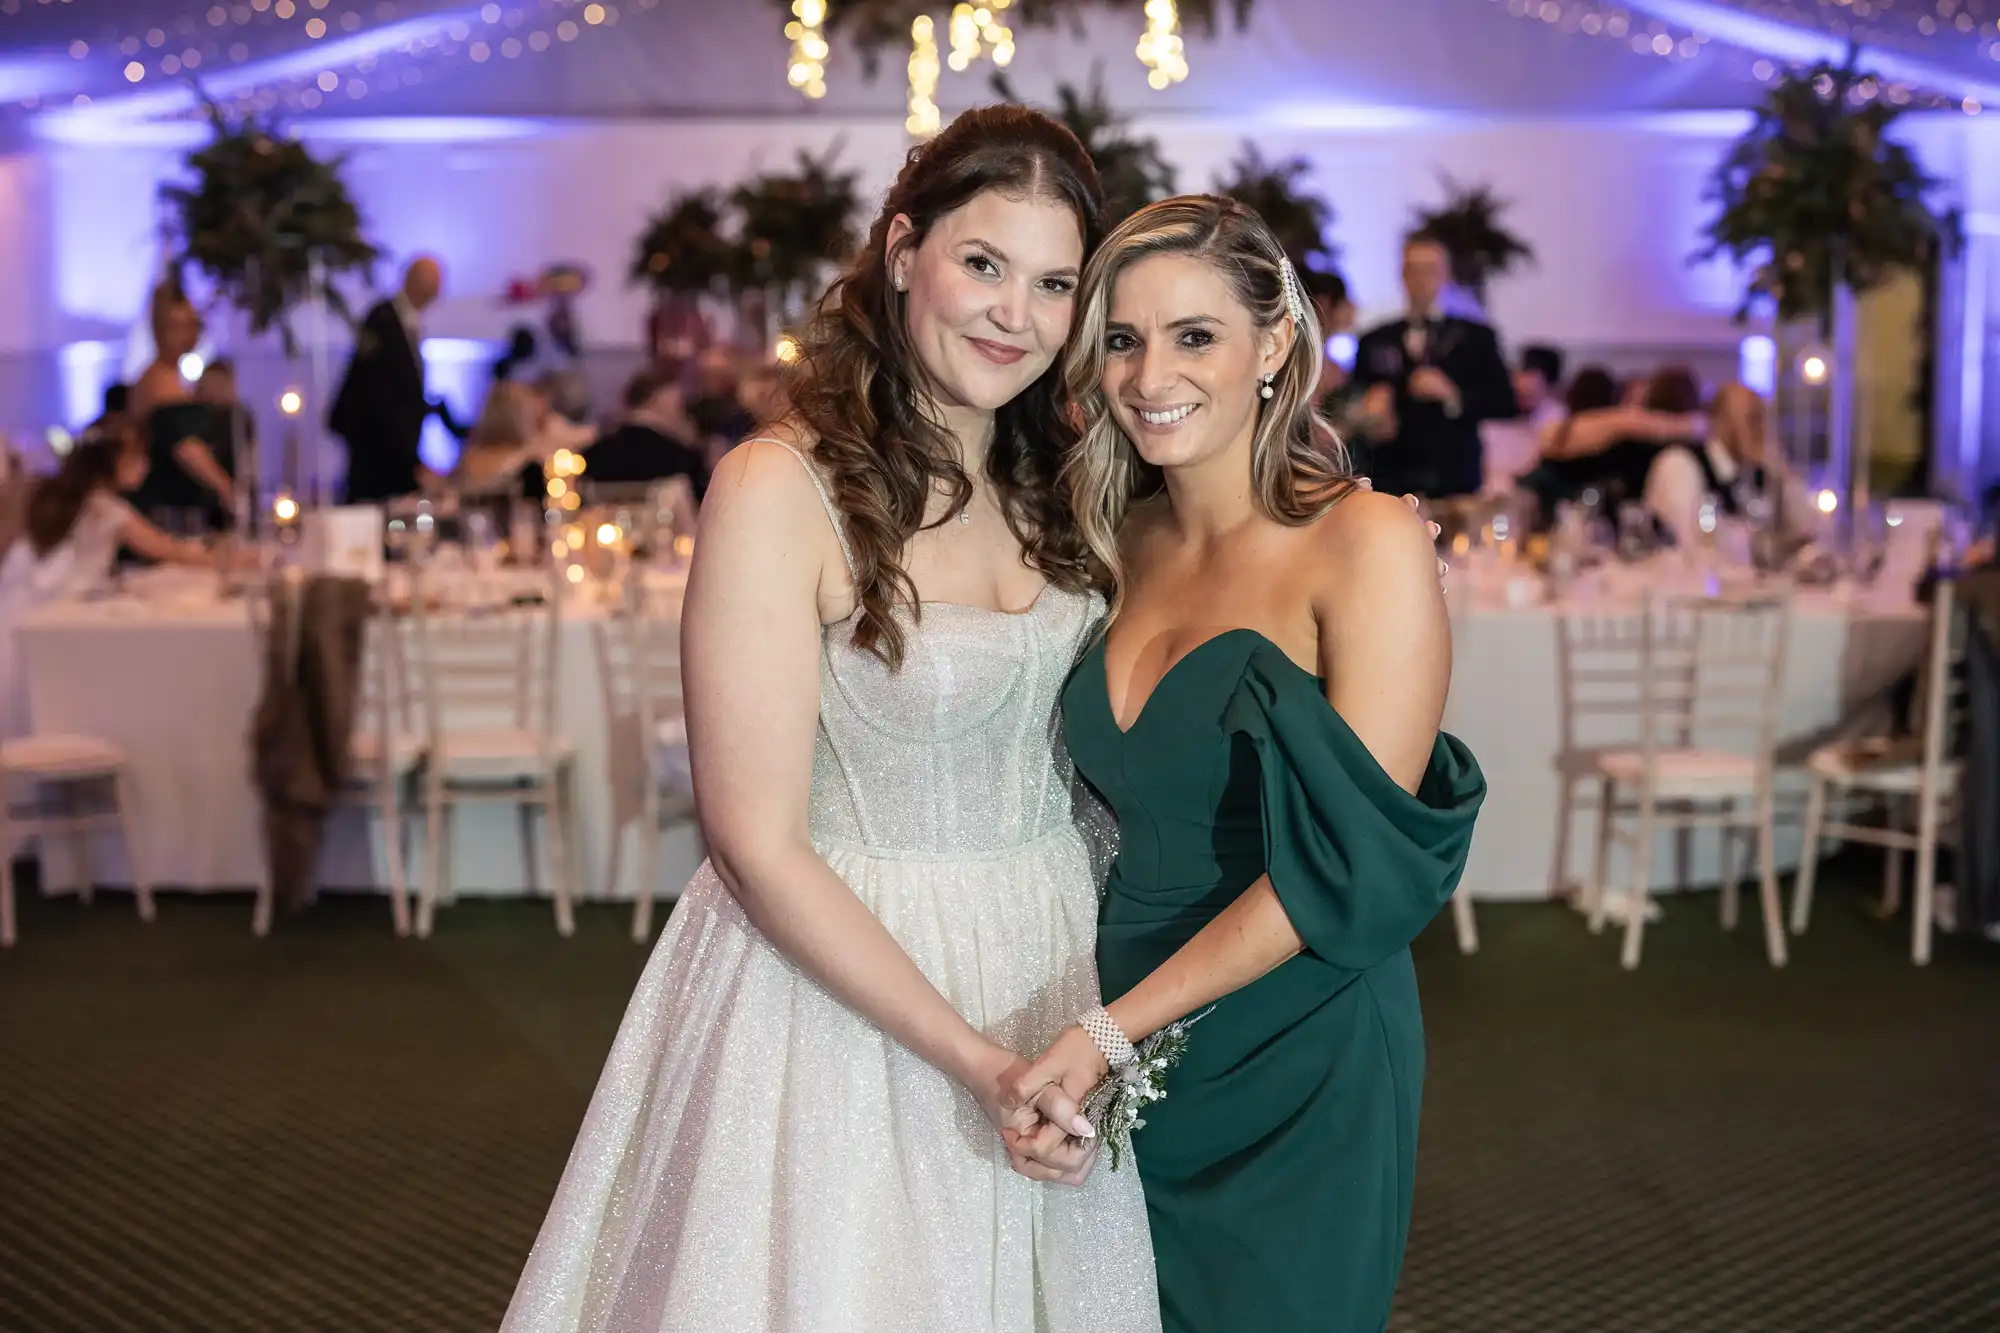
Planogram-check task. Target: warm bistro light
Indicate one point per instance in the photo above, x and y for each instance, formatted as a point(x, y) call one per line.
point(684, 545)
point(191, 365)
point(285, 509)
point(924, 118)
point(291, 402)
point(607, 534)
point(574, 573)
point(787, 350)
point(1827, 502)
point(1815, 369)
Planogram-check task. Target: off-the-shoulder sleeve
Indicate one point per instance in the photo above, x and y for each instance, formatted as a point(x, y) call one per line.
point(1360, 864)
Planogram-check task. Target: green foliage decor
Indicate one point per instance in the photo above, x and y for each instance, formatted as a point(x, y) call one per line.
point(1816, 192)
point(1468, 225)
point(1274, 190)
point(774, 233)
point(1133, 171)
point(268, 223)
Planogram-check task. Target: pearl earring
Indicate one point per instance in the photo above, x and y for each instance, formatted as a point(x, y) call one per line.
point(899, 282)
point(1267, 391)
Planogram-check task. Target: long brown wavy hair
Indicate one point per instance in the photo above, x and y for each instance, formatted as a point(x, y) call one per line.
point(91, 466)
point(860, 387)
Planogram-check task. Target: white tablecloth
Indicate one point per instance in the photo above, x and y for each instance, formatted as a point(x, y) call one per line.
point(175, 681)
point(1506, 705)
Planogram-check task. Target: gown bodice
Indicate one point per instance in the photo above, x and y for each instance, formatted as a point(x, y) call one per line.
point(957, 754)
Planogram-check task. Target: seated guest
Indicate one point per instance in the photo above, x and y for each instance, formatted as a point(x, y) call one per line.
point(715, 405)
point(1601, 444)
point(762, 392)
point(75, 526)
point(186, 482)
point(1512, 447)
point(501, 443)
point(1428, 380)
point(229, 424)
point(1735, 463)
point(654, 438)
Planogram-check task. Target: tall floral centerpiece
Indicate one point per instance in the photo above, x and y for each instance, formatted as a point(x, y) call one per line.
point(1817, 204)
point(272, 228)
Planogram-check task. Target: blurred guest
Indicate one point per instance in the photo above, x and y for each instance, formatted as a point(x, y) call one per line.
point(762, 392)
point(519, 355)
point(1599, 417)
point(502, 443)
point(1514, 446)
point(230, 425)
point(76, 524)
point(1428, 380)
point(715, 406)
point(381, 407)
point(653, 440)
point(186, 483)
point(1538, 385)
point(1334, 397)
point(1735, 464)
point(117, 400)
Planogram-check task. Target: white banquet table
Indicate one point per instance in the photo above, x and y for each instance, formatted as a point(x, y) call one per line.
point(1506, 705)
point(173, 679)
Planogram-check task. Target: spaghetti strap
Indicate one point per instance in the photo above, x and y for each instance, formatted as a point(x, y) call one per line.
point(825, 497)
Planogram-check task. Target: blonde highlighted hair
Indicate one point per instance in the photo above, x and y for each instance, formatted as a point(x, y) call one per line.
point(1299, 468)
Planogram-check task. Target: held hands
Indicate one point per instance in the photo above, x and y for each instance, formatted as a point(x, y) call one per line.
point(1046, 1134)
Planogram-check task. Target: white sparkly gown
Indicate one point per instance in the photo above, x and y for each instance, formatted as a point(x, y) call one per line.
point(760, 1159)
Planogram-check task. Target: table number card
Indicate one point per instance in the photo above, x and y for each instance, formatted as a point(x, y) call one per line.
point(346, 539)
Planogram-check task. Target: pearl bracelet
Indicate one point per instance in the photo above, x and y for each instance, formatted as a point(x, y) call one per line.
point(1109, 1038)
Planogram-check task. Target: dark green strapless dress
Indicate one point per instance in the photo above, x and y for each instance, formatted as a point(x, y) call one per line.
point(1279, 1168)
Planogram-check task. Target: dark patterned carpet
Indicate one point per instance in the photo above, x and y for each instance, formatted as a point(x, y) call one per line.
point(335, 1129)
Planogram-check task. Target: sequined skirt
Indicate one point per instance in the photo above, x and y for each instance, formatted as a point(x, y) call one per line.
point(759, 1159)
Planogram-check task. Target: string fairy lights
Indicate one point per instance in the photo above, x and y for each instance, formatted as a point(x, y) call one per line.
point(807, 71)
point(1852, 20)
point(214, 36)
point(1160, 49)
point(923, 120)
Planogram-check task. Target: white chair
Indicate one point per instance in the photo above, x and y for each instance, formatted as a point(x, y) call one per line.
point(66, 768)
point(486, 684)
point(1897, 773)
point(648, 755)
point(1707, 674)
point(386, 748)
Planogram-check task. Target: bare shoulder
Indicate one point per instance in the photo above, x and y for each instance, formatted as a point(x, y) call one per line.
point(762, 477)
point(1368, 526)
point(1368, 551)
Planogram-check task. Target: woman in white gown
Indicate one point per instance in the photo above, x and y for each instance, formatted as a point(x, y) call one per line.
point(796, 1131)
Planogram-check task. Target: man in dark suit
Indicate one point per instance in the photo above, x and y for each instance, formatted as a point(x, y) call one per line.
point(1426, 382)
point(381, 408)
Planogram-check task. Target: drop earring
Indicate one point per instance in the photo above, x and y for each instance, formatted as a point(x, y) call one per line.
point(1267, 391)
point(898, 281)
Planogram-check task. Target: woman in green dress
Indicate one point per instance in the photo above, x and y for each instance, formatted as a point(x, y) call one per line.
point(1262, 717)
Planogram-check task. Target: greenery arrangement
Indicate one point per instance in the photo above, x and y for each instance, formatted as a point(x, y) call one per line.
point(1131, 167)
point(874, 26)
point(789, 226)
point(1468, 226)
point(773, 234)
point(683, 250)
point(269, 224)
point(1815, 193)
point(1299, 219)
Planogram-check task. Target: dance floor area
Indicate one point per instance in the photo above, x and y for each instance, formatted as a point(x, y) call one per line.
point(336, 1129)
